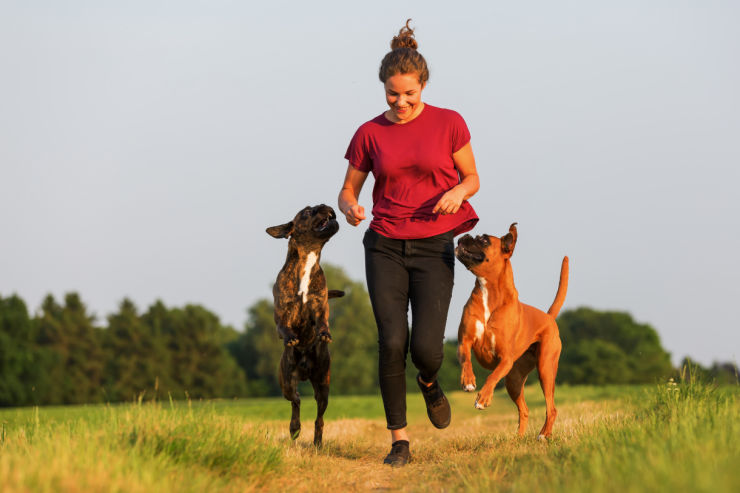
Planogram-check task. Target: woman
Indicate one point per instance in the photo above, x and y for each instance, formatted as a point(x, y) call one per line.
point(424, 171)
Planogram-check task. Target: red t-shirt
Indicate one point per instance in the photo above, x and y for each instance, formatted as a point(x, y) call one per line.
point(413, 167)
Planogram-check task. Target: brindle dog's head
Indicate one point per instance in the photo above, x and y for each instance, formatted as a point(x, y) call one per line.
point(486, 255)
point(311, 227)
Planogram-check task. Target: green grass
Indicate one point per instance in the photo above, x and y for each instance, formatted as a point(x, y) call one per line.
point(682, 437)
point(670, 437)
point(131, 447)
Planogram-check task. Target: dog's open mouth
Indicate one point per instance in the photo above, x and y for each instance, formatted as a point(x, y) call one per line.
point(468, 257)
point(324, 223)
point(468, 252)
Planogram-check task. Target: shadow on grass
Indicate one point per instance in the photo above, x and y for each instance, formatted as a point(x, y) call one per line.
point(339, 449)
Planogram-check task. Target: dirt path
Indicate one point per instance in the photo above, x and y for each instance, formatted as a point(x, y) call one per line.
point(351, 459)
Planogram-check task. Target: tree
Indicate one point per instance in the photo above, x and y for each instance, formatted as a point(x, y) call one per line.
point(199, 364)
point(133, 363)
point(609, 347)
point(73, 351)
point(19, 369)
point(258, 350)
point(725, 373)
point(720, 373)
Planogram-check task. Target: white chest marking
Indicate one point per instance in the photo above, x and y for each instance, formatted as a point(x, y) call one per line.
point(306, 277)
point(480, 327)
point(479, 330)
point(484, 295)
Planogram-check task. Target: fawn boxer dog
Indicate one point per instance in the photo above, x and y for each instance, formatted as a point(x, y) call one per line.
point(508, 337)
point(302, 311)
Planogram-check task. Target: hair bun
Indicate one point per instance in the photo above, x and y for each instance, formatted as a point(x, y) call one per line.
point(405, 38)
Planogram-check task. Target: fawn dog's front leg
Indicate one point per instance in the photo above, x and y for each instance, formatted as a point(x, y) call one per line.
point(483, 400)
point(467, 377)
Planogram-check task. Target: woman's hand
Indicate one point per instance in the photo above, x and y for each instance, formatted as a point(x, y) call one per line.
point(450, 202)
point(469, 184)
point(354, 214)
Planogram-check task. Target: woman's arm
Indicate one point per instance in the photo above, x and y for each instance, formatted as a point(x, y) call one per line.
point(468, 186)
point(349, 195)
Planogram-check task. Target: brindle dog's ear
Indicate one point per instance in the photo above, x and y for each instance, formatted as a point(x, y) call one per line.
point(509, 241)
point(282, 231)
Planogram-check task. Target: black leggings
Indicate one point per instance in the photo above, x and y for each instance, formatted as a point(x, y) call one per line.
point(398, 272)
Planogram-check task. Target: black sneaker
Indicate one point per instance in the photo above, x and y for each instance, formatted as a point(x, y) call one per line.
point(438, 408)
point(399, 455)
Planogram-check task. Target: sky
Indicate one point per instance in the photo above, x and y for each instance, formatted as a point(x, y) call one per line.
point(146, 145)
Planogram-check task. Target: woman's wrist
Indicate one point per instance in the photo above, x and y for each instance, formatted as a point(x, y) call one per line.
point(461, 191)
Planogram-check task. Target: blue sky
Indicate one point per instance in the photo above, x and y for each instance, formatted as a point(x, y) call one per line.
point(145, 147)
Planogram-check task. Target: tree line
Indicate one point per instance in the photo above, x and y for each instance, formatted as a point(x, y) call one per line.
point(61, 356)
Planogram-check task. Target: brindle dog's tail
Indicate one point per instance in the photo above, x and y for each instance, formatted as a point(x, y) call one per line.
point(335, 293)
point(562, 288)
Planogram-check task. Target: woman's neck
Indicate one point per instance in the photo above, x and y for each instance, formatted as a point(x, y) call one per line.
point(391, 117)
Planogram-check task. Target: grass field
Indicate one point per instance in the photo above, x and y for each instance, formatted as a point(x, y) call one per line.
point(670, 437)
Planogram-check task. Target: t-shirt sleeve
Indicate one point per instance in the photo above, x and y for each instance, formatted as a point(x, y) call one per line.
point(459, 133)
point(358, 153)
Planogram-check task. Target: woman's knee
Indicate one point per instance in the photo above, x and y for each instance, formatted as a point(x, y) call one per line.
point(392, 349)
point(427, 358)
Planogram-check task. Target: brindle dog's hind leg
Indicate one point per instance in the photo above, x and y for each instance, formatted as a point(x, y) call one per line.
point(320, 380)
point(289, 384)
point(321, 393)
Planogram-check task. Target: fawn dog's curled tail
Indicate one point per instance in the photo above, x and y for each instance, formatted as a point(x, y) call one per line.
point(562, 289)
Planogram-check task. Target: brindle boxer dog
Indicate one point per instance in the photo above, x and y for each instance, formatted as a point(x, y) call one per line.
point(508, 337)
point(302, 311)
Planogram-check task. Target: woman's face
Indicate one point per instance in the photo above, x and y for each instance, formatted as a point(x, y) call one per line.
point(403, 95)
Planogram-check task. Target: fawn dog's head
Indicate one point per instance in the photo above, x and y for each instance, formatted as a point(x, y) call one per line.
point(486, 255)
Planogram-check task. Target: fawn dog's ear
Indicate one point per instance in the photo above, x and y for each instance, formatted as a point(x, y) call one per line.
point(282, 231)
point(508, 242)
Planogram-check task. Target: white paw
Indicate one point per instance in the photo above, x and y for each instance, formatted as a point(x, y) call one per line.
point(469, 387)
point(479, 405)
point(541, 438)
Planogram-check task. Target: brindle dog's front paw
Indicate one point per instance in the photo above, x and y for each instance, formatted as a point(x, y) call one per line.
point(324, 336)
point(291, 341)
